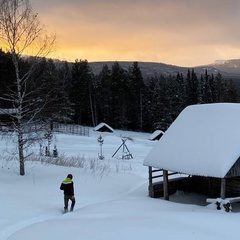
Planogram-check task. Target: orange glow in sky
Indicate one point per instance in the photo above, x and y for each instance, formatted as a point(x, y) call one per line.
point(179, 32)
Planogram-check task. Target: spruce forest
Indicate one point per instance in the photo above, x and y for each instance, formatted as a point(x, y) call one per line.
point(119, 97)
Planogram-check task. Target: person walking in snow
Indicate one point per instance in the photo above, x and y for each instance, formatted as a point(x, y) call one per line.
point(68, 191)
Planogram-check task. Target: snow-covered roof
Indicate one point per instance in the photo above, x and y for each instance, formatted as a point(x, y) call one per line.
point(155, 135)
point(204, 140)
point(103, 127)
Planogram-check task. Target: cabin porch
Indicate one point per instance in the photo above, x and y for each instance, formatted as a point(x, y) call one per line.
point(209, 186)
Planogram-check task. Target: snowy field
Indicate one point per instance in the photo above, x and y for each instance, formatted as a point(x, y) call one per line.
point(111, 197)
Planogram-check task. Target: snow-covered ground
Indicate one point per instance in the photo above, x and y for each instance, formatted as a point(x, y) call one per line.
point(111, 197)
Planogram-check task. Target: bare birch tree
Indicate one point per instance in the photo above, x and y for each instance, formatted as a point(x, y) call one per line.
point(21, 33)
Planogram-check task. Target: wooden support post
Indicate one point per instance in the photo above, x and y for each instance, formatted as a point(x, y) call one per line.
point(165, 185)
point(223, 188)
point(150, 175)
point(150, 184)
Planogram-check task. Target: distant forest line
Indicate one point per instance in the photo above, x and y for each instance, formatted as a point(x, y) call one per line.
point(119, 97)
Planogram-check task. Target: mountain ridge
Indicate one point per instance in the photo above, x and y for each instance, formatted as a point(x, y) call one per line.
point(229, 69)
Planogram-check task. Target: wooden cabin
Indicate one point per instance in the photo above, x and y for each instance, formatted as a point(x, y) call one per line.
point(103, 127)
point(156, 135)
point(203, 146)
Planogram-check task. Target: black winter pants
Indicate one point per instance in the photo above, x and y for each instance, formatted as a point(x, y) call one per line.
point(66, 200)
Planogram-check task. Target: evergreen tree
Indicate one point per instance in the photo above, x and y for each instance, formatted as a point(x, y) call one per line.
point(6, 79)
point(151, 106)
point(65, 77)
point(103, 95)
point(136, 97)
point(201, 90)
point(208, 88)
point(220, 89)
point(180, 98)
point(119, 98)
point(57, 108)
point(81, 93)
point(158, 103)
point(175, 98)
point(192, 88)
point(232, 93)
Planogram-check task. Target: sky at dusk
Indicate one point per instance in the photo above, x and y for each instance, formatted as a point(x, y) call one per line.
point(179, 32)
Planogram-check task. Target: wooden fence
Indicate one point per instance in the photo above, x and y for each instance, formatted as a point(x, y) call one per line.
point(55, 127)
point(70, 128)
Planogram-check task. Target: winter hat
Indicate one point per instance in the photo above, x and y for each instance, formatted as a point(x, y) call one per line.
point(70, 176)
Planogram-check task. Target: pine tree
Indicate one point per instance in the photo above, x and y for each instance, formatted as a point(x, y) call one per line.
point(64, 75)
point(119, 98)
point(192, 88)
point(180, 98)
point(6, 78)
point(103, 95)
point(207, 93)
point(151, 107)
point(81, 93)
point(219, 88)
point(136, 97)
point(232, 93)
point(57, 108)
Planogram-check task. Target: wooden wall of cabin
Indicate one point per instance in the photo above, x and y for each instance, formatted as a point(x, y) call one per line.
point(211, 187)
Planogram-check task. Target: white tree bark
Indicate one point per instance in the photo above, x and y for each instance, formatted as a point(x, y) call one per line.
point(21, 33)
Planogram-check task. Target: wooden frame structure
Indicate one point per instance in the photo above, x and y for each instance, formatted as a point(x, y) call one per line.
point(160, 185)
point(195, 146)
point(161, 173)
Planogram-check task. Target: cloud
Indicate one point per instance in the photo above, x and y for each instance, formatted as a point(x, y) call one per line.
point(152, 30)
